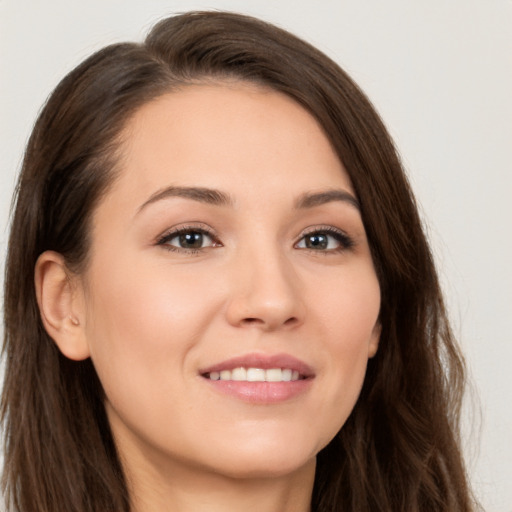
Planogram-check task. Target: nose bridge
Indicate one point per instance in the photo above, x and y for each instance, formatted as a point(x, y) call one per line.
point(265, 291)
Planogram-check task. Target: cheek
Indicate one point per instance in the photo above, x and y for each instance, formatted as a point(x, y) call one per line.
point(349, 311)
point(349, 316)
point(148, 306)
point(139, 320)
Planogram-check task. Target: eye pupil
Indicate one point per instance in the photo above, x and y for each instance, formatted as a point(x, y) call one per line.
point(191, 239)
point(317, 241)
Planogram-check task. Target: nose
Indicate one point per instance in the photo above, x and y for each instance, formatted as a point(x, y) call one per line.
point(265, 293)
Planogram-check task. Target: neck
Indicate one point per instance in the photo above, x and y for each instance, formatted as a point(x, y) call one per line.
point(189, 489)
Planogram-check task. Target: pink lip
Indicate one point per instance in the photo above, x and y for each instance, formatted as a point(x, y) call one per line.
point(263, 361)
point(261, 392)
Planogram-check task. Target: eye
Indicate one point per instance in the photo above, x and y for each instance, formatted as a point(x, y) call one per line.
point(326, 240)
point(188, 239)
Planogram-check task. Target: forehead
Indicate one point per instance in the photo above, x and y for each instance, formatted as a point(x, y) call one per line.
point(236, 137)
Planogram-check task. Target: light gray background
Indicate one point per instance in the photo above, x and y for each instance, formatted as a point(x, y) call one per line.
point(439, 72)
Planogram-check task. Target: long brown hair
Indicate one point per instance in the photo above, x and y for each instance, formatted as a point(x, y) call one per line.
point(398, 451)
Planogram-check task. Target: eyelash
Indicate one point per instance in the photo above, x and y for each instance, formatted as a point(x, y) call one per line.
point(167, 237)
point(345, 242)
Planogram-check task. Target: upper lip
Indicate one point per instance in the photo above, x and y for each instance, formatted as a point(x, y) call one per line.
point(264, 361)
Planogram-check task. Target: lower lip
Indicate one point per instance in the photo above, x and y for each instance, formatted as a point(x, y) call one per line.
point(261, 392)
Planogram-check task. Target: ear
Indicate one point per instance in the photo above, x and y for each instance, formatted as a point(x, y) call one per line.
point(60, 305)
point(374, 340)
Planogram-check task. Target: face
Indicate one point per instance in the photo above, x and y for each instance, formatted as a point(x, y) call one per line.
point(230, 304)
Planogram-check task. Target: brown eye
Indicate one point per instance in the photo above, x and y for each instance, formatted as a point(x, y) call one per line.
point(329, 240)
point(317, 241)
point(188, 239)
point(191, 240)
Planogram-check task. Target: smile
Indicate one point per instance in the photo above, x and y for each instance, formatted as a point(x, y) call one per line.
point(257, 375)
point(260, 378)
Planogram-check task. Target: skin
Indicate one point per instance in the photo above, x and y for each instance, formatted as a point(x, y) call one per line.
point(151, 315)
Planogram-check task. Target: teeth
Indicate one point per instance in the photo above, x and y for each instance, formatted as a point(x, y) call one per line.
point(274, 375)
point(256, 375)
point(238, 374)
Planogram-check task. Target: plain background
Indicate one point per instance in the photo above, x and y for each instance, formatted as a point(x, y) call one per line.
point(440, 74)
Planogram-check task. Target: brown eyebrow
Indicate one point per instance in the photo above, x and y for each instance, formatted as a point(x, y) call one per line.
point(218, 198)
point(201, 194)
point(310, 200)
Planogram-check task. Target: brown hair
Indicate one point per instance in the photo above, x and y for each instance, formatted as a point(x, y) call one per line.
point(399, 449)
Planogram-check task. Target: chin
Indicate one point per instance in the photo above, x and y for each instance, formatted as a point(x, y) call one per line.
point(263, 458)
point(265, 467)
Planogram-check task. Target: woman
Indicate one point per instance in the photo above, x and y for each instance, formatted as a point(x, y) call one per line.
point(234, 303)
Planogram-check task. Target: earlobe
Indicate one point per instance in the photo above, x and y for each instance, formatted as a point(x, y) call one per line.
point(374, 340)
point(59, 305)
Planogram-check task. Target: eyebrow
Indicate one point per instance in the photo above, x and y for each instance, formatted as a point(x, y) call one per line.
point(201, 194)
point(219, 198)
point(310, 200)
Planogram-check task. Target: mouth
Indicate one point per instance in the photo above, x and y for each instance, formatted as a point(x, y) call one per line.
point(256, 375)
point(259, 378)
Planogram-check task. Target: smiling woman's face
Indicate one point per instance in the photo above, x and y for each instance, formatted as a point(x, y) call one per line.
point(230, 248)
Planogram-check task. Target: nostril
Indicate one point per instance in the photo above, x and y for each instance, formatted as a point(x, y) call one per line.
point(271, 325)
point(290, 322)
point(252, 321)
